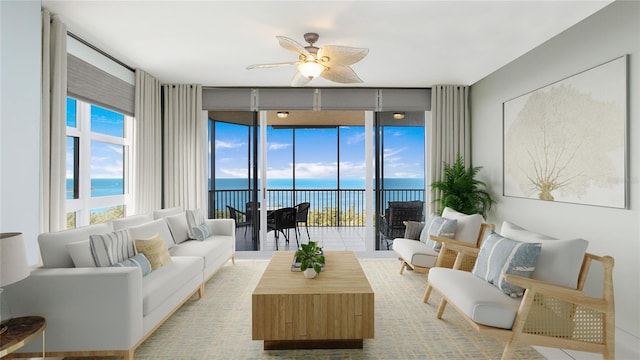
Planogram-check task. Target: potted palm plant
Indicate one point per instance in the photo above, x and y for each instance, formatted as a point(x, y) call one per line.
point(461, 191)
point(311, 259)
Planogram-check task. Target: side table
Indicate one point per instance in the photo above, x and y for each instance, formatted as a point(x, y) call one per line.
point(21, 330)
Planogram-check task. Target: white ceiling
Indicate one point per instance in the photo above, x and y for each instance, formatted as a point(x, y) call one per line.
point(411, 43)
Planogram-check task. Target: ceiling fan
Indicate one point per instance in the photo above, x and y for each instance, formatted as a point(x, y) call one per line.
point(330, 61)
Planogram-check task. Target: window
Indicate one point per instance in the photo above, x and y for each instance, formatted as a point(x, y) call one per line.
point(98, 163)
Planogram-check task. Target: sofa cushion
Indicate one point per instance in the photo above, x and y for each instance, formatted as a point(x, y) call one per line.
point(438, 226)
point(178, 227)
point(80, 252)
point(479, 300)
point(414, 252)
point(125, 222)
point(163, 213)
point(163, 282)
point(559, 262)
point(53, 248)
point(468, 226)
point(152, 228)
point(412, 229)
point(499, 256)
point(155, 249)
point(138, 260)
point(194, 219)
point(111, 248)
point(209, 250)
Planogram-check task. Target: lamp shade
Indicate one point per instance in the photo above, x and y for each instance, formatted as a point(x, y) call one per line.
point(13, 259)
point(310, 69)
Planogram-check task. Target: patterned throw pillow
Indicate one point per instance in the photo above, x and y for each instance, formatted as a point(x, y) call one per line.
point(154, 249)
point(138, 260)
point(499, 256)
point(111, 248)
point(412, 229)
point(201, 232)
point(194, 219)
point(438, 226)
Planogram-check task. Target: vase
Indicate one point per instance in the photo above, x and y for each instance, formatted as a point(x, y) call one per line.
point(309, 273)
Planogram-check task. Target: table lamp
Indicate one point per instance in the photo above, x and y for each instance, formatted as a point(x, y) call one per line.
point(13, 263)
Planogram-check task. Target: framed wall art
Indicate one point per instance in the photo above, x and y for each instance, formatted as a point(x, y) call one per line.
point(567, 141)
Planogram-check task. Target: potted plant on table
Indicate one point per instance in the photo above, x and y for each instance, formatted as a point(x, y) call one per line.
point(311, 259)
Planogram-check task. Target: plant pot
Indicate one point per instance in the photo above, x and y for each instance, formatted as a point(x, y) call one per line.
point(309, 273)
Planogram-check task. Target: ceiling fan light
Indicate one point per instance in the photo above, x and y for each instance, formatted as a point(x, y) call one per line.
point(310, 69)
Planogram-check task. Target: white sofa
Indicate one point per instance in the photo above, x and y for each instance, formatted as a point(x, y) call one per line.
point(110, 311)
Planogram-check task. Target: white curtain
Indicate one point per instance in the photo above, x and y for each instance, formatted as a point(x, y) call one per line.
point(184, 147)
point(147, 145)
point(450, 133)
point(53, 124)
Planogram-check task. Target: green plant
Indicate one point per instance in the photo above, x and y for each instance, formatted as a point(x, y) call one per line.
point(461, 191)
point(310, 256)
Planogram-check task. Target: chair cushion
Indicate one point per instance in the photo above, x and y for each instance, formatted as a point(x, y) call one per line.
point(499, 256)
point(468, 226)
point(413, 229)
point(559, 262)
point(438, 226)
point(415, 252)
point(476, 298)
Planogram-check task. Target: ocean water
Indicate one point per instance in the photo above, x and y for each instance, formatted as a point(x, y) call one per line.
point(100, 187)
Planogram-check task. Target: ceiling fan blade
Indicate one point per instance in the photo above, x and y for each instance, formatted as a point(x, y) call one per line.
point(341, 74)
point(264, 66)
point(341, 55)
point(299, 80)
point(293, 46)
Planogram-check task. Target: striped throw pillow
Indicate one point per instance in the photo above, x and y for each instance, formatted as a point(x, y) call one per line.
point(194, 219)
point(111, 248)
point(438, 226)
point(138, 260)
point(499, 256)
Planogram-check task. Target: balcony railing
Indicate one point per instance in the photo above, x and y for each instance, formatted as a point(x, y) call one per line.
point(329, 207)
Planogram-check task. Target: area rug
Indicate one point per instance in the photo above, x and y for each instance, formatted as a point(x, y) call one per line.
point(218, 326)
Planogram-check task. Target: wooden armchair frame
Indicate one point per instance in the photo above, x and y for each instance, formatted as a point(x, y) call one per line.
point(552, 315)
point(448, 253)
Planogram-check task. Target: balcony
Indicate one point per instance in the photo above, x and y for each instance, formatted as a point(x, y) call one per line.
point(336, 216)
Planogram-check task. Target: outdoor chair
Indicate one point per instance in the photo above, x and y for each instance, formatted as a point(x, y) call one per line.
point(391, 223)
point(553, 310)
point(280, 220)
point(302, 216)
point(240, 218)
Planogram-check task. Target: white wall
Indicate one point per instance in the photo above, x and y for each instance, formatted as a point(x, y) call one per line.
point(608, 34)
point(20, 121)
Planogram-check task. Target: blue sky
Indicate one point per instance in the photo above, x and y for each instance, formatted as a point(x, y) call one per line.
point(316, 152)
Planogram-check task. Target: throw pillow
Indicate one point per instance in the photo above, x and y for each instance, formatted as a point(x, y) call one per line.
point(178, 227)
point(468, 226)
point(194, 218)
point(138, 260)
point(80, 252)
point(155, 250)
point(201, 232)
point(499, 256)
point(438, 226)
point(413, 229)
point(111, 248)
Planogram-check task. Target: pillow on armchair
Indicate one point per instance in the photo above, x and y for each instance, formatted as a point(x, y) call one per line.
point(413, 229)
point(468, 226)
point(438, 226)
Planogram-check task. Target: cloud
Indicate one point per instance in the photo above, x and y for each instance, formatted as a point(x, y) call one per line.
point(278, 146)
point(356, 138)
point(228, 144)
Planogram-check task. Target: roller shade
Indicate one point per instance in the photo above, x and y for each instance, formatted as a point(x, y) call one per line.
point(88, 83)
point(405, 99)
point(348, 99)
point(227, 99)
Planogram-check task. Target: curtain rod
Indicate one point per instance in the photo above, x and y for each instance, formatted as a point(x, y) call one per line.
point(83, 41)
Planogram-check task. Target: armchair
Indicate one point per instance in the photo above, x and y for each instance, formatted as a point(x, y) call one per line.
point(391, 223)
point(554, 311)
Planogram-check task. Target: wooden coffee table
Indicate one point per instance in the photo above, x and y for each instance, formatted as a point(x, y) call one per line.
point(334, 310)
